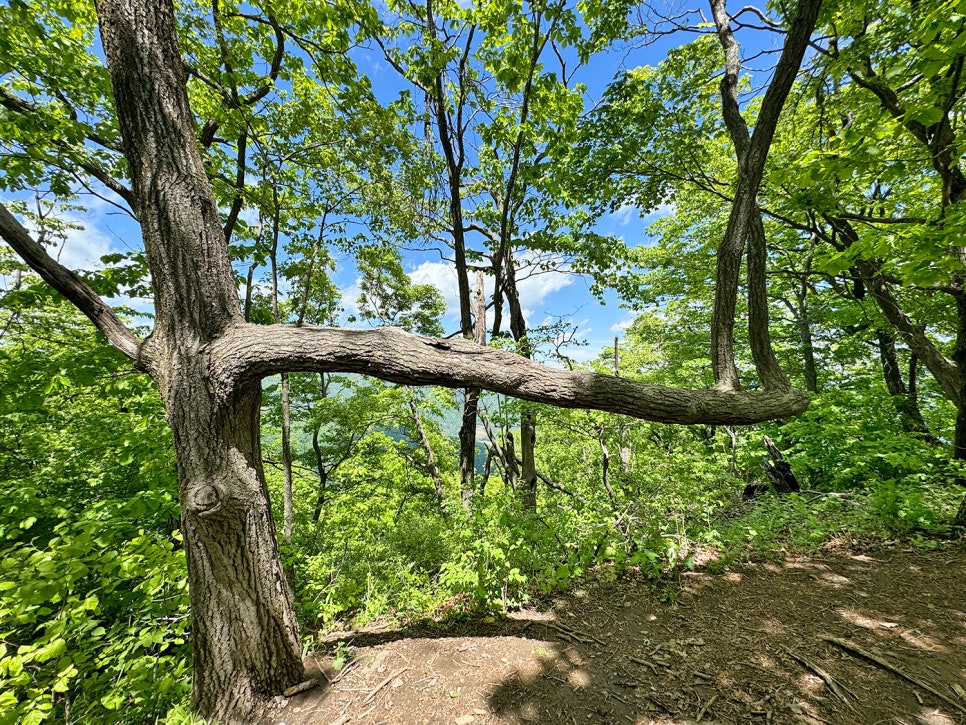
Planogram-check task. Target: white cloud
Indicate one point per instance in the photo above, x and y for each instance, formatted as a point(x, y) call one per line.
point(660, 212)
point(442, 276)
point(622, 325)
point(83, 248)
point(249, 215)
point(534, 289)
point(623, 215)
point(629, 212)
point(533, 284)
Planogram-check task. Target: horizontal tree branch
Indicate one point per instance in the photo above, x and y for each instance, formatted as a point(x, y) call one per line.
point(68, 284)
point(246, 353)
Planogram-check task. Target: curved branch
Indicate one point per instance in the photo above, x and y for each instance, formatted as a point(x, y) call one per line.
point(16, 104)
point(250, 352)
point(68, 284)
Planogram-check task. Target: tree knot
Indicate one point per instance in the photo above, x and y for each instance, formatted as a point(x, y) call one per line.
point(206, 500)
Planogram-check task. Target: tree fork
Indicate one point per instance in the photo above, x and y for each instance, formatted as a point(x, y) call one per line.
point(744, 222)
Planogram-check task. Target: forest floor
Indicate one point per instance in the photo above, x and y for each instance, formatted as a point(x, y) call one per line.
point(843, 635)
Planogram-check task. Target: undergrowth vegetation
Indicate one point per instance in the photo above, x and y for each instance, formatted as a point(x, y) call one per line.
point(94, 617)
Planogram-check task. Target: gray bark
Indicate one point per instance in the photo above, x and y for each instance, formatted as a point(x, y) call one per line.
point(744, 222)
point(251, 352)
point(430, 457)
point(246, 642)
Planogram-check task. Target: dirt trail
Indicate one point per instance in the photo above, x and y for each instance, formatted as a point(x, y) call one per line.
point(752, 645)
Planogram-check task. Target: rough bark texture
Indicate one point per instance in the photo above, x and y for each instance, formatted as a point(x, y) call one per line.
point(246, 641)
point(251, 352)
point(744, 222)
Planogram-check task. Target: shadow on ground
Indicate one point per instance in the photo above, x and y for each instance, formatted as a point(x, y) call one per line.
point(837, 637)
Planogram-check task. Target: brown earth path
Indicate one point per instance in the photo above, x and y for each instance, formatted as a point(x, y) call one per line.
point(750, 645)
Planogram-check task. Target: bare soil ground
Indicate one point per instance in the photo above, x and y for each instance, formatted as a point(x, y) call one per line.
point(840, 636)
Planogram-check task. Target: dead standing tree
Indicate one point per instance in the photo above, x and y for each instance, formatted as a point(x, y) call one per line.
point(208, 364)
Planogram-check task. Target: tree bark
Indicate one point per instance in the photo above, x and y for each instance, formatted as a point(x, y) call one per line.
point(245, 637)
point(430, 458)
point(804, 324)
point(450, 141)
point(744, 223)
point(246, 643)
point(251, 352)
point(528, 424)
point(323, 474)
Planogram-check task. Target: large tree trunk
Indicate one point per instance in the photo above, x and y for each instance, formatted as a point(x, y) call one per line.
point(245, 635)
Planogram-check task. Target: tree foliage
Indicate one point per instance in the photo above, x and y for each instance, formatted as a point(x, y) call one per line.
point(259, 159)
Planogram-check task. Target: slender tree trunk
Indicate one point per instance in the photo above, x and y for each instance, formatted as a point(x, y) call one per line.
point(959, 438)
point(907, 407)
point(471, 404)
point(605, 464)
point(528, 465)
point(288, 506)
point(467, 437)
point(430, 458)
point(511, 470)
point(528, 423)
point(450, 140)
point(744, 223)
point(804, 324)
point(320, 466)
point(323, 475)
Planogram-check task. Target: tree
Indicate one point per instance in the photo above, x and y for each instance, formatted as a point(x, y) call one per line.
point(208, 363)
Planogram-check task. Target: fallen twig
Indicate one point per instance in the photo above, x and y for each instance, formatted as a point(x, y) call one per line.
point(838, 689)
point(574, 634)
point(643, 663)
point(300, 687)
point(372, 695)
point(885, 664)
point(704, 709)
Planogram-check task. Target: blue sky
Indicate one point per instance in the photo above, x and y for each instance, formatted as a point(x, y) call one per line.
point(545, 296)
